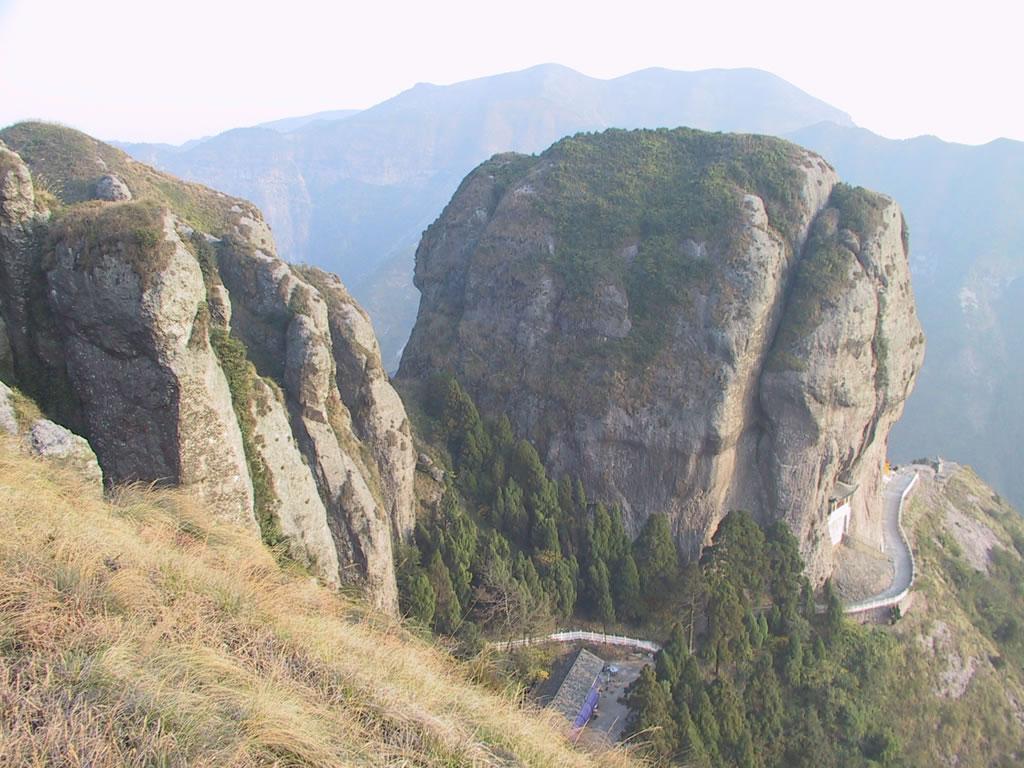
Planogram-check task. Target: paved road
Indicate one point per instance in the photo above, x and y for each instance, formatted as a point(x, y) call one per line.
point(895, 545)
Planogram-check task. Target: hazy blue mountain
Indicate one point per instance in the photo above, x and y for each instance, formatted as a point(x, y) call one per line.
point(353, 195)
point(965, 207)
point(287, 124)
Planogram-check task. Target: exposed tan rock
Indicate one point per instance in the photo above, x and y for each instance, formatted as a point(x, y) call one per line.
point(112, 189)
point(297, 504)
point(125, 316)
point(284, 321)
point(715, 417)
point(377, 411)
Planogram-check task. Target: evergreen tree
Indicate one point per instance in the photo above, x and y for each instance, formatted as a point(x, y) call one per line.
point(731, 717)
point(690, 745)
point(527, 468)
point(448, 612)
point(833, 611)
point(793, 660)
point(511, 513)
point(600, 593)
point(785, 566)
point(544, 536)
point(502, 437)
point(707, 723)
point(657, 559)
point(737, 553)
point(626, 589)
point(665, 668)
point(563, 586)
point(765, 709)
point(416, 596)
point(650, 719)
point(727, 637)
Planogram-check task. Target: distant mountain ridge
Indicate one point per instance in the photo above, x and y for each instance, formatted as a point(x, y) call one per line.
point(353, 196)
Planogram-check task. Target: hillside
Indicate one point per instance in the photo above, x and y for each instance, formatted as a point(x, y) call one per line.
point(962, 637)
point(140, 632)
point(688, 322)
point(798, 687)
point(153, 317)
point(327, 183)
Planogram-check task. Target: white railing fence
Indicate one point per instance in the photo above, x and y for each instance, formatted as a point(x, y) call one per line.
point(580, 635)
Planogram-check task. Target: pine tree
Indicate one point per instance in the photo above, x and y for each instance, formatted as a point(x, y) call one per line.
point(657, 559)
point(737, 553)
point(626, 589)
point(765, 710)
point(690, 744)
point(448, 612)
point(600, 593)
point(707, 723)
point(527, 468)
point(416, 596)
point(727, 637)
point(833, 611)
point(511, 512)
point(650, 720)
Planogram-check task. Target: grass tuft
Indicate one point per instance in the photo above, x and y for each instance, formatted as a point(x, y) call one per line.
point(138, 631)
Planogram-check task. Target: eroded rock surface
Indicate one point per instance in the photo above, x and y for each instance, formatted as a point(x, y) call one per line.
point(690, 323)
point(172, 336)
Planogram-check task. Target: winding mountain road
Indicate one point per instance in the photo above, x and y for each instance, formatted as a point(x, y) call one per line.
point(896, 545)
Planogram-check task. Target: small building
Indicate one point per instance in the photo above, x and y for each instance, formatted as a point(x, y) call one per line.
point(839, 511)
point(579, 691)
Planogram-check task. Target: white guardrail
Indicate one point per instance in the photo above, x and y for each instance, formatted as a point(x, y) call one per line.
point(885, 602)
point(579, 635)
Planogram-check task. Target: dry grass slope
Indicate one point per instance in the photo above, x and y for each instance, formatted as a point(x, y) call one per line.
point(137, 632)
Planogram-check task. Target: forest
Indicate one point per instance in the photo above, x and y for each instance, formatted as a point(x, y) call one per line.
point(754, 672)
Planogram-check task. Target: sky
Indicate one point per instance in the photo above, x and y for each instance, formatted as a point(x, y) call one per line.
point(147, 70)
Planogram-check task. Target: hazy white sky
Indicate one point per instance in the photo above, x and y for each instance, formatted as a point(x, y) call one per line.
point(145, 70)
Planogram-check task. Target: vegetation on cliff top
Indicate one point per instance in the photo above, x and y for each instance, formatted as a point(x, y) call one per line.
point(132, 232)
point(68, 163)
point(652, 191)
point(139, 632)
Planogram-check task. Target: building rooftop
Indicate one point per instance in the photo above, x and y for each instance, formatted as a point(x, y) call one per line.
point(572, 692)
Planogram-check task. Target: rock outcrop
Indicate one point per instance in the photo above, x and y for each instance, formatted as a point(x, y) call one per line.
point(160, 324)
point(42, 437)
point(688, 322)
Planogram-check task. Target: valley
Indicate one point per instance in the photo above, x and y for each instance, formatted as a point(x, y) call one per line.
point(648, 395)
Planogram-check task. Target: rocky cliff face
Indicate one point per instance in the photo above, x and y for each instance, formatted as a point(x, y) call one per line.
point(153, 317)
point(690, 322)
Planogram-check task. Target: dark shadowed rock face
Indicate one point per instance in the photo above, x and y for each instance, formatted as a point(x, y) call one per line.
point(690, 322)
point(161, 325)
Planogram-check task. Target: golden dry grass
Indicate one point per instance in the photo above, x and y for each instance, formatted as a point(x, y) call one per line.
point(136, 631)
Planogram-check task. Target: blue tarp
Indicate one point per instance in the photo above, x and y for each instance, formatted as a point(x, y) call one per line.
point(588, 708)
